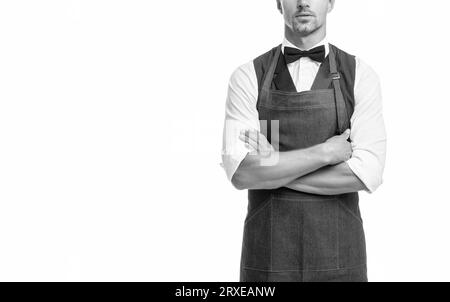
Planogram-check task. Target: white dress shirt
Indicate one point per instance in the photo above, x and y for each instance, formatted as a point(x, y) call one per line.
point(368, 134)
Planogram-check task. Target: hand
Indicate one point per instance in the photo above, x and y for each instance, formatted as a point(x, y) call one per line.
point(338, 148)
point(257, 142)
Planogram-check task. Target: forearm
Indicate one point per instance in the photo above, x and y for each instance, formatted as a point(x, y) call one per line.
point(261, 172)
point(329, 180)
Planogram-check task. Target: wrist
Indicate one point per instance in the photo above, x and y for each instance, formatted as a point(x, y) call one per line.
point(323, 150)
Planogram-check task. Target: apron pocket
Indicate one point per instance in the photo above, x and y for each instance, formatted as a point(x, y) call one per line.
point(251, 214)
point(350, 212)
point(352, 244)
point(256, 245)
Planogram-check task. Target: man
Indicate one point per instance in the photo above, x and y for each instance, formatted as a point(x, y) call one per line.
point(304, 133)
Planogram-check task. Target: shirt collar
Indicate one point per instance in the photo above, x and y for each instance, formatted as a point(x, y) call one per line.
point(324, 42)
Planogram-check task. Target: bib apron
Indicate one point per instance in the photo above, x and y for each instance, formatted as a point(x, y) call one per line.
point(295, 236)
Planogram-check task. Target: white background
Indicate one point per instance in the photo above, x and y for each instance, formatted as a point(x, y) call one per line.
point(111, 116)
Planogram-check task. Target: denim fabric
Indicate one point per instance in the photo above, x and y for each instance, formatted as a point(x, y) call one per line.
point(296, 236)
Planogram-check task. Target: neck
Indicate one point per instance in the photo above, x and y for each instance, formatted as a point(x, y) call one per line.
point(305, 42)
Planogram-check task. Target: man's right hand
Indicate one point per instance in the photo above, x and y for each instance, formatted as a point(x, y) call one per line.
point(338, 148)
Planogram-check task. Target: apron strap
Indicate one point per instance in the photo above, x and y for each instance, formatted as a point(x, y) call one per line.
point(341, 109)
point(269, 75)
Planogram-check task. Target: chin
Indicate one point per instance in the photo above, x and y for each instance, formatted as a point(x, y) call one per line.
point(304, 28)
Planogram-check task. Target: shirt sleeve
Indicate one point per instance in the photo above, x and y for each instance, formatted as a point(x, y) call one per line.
point(368, 133)
point(240, 114)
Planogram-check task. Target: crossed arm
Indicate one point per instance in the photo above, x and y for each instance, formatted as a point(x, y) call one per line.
point(320, 169)
point(330, 180)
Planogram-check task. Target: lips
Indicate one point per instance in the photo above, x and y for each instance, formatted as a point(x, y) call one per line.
point(304, 14)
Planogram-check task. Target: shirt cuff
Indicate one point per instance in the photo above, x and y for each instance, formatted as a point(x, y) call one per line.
point(367, 171)
point(230, 162)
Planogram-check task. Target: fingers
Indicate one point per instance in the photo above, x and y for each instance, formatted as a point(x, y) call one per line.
point(346, 134)
point(251, 138)
point(257, 141)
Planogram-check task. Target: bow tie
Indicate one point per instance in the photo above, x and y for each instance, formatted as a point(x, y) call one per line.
point(294, 54)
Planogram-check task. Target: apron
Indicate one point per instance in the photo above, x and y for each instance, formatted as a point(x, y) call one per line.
point(294, 236)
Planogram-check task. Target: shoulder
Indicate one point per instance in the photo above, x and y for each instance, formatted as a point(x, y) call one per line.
point(341, 52)
point(344, 58)
point(262, 62)
point(265, 58)
point(244, 73)
point(253, 67)
point(346, 64)
point(247, 76)
point(365, 73)
point(243, 85)
point(367, 85)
